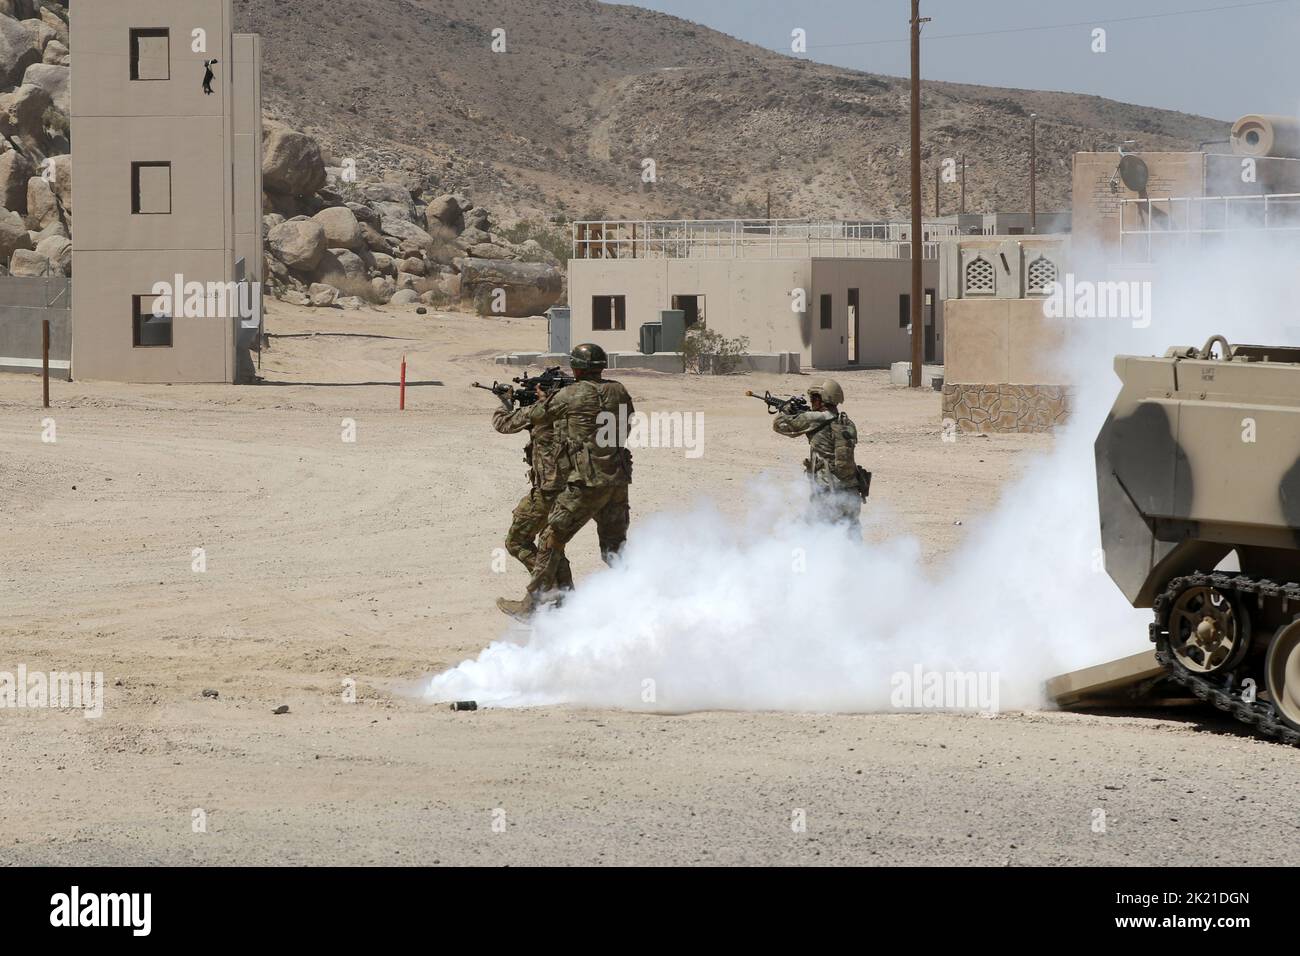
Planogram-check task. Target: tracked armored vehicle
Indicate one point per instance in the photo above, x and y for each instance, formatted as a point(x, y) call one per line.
point(1198, 483)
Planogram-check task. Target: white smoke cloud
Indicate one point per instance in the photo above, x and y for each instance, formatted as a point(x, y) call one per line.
point(709, 613)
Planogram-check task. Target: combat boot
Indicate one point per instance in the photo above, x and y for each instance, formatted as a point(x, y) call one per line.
point(521, 611)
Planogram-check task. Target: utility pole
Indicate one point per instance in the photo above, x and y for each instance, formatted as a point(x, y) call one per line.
point(918, 239)
point(937, 213)
point(963, 184)
point(1033, 174)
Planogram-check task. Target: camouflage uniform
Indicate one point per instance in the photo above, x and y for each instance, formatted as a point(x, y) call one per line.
point(830, 464)
point(599, 475)
point(547, 470)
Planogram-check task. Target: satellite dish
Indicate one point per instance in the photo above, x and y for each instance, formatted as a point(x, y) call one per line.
point(1133, 171)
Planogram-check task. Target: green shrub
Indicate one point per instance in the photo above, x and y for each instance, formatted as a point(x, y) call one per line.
point(707, 352)
point(555, 239)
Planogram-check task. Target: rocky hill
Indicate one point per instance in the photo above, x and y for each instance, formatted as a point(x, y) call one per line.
point(584, 92)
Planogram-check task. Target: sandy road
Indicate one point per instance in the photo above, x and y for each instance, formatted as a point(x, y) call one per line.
point(370, 561)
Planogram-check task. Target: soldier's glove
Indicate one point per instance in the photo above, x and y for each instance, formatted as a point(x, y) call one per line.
point(507, 400)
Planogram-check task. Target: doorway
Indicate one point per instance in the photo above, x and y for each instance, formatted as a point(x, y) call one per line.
point(853, 326)
point(692, 306)
point(928, 321)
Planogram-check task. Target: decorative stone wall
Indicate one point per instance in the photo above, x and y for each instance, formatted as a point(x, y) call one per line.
point(1006, 408)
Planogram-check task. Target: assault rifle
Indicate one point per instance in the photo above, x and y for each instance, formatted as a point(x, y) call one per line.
point(790, 406)
point(524, 392)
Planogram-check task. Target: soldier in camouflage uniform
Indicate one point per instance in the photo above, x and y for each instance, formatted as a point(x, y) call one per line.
point(832, 436)
point(586, 417)
point(547, 471)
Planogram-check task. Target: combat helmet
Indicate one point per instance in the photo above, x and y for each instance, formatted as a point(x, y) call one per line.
point(828, 391)
point(588, 356)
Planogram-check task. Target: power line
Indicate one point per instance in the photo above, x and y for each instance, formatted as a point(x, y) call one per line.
point(1100, 21)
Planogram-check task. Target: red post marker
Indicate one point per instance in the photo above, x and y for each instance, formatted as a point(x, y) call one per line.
point(401, 392)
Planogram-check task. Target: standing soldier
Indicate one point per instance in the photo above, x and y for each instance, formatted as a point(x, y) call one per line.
point(587, 417)
point(838, 484)
point(547, 471)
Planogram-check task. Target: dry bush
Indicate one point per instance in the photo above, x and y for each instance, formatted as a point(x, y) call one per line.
point(348, 286)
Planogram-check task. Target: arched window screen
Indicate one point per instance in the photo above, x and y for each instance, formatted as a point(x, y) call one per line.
point(979, 277)
point(1041, 275)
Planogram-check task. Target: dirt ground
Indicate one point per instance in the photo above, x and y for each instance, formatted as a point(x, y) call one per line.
point(370, 561)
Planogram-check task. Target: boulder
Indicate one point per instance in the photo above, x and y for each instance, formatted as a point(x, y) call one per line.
point(394, 210)
point(352, 302)
point(446, 210)
point(413, 265)
point(342, 262)
point(282, 205)
point(531, 250)
point(56, 228)
point(384, 287)
point(375, 242)
point(299, 245)
point(18, 50)
point(19, 9)
point(472, 236)
point(479, 218)
point(270, 221)
point(364, 213)
point(449, 285)
point(15, 172)
point(22, 115)
point(385, 192)
point(291, 161)
point(406, 280)
point(57, 24)
point(404, 178)
point(404, 297)
point(13, 235)
point(26, 262)
point(294, 297)
point(56, 54)
point(383, 264)
point(530, 287)
point(55, 80)
point(59, 251)
point(322, 295)
point(40, 32)
point(420, 242)
point(276, 269)
point(63, 180)
point(490, 250)
point(342, 231)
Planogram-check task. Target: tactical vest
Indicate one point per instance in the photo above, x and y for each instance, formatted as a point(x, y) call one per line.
point(831, 458)
point(592, 433)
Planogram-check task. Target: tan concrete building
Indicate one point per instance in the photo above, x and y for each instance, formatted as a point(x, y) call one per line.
point(1129, 210)
point(999, 374)
point(838, 294)
point(1132, 206)
point(167, 166)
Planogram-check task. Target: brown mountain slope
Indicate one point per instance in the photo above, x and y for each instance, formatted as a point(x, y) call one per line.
point(586, 91)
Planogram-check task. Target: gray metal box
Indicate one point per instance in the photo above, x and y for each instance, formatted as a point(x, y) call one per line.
point(557, 329)
point(673, 335)
point(651, 337)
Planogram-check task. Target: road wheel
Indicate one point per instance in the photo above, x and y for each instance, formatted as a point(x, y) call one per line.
point(1282, 673)
point(1208, 631)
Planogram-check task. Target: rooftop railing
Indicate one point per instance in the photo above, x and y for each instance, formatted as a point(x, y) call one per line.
point(1150, 227)
point(752, 239)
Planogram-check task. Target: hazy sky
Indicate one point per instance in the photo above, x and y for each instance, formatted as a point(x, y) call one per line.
point(1220, 63)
